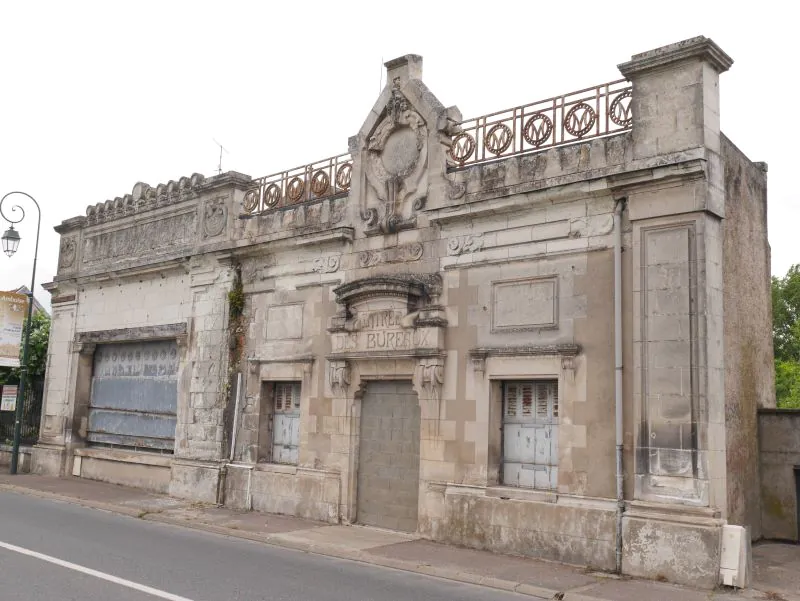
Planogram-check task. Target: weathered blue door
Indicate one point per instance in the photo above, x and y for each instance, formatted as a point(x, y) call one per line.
point(134, 396)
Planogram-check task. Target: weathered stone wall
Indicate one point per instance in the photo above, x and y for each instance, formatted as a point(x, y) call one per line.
point(749, 369)
point(779, 452)
point(284, 489)
point(457, 278)
point(576, 531)
point(144, 267)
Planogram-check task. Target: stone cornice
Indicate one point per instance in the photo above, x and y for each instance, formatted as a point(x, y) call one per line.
point(69, 225)
point(144, 198)
point(700, 47)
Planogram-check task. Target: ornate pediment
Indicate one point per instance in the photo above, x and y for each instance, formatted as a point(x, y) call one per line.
point(390, 314)
point(399, 154)
point(395, 163)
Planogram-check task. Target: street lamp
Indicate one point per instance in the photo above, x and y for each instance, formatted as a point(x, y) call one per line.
point(11, 241)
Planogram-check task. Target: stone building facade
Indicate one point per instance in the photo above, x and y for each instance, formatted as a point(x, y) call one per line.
point(436, 331)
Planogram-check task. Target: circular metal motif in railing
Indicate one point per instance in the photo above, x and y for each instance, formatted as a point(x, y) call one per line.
point(580, 119)
point(498, 138)
point(250, 201)
point(620, 110)
point(272, 195)
point(320, 182)
point(462, 148)
point(343, 175)
point(537, 129)
point(295, 189)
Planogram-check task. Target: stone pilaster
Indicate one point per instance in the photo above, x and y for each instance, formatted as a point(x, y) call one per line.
point(678, 384)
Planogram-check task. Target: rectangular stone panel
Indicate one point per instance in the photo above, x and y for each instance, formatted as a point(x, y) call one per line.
point(285, 322)
point(668, 328)
point(524, 304)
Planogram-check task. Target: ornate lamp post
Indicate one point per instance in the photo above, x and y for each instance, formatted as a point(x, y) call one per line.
point(11, 241)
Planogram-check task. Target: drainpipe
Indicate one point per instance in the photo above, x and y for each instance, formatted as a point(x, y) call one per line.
point(618, 373)
point(236, 416)
point(231, 464)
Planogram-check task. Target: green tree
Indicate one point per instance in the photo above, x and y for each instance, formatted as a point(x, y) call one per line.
point(786, 337)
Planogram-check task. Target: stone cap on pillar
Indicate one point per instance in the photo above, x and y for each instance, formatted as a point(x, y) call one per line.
point(699, 47)
point(405, 67)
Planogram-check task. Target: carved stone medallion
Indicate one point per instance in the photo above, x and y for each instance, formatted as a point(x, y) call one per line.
point(216, 217)
point(68, 252)
point(326, 264)
point(396, 159)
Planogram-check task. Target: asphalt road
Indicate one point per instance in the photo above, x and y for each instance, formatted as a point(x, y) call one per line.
point(57, 551)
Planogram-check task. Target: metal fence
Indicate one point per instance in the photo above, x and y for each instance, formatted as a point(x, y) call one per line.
point(31, 415)
point(323, 179)
point(601, 110)
point(589, 113)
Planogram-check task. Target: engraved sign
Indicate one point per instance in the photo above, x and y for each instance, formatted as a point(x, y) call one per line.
point(386, 340)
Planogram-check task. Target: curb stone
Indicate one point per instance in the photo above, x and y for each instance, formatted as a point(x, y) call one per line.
point(277, 541)
point(327, 550)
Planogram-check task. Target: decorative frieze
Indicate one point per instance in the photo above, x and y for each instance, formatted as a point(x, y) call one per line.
point(327, 264)
point(464, 244)
point(398, 254)
point(142, 239)
point(144, 198)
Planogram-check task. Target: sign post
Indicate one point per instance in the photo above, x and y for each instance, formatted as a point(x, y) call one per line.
point(12, 317)
point(8, 401)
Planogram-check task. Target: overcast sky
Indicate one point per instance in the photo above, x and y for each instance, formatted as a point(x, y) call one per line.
point(96, 96)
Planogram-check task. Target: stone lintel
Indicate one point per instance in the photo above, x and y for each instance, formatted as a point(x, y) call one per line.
point(290, 359)
point(564, 350)
point(144, 268)
point(699, 47)
point(408, 66)
point(418, 353)
point(162, 332)
point(65, 298)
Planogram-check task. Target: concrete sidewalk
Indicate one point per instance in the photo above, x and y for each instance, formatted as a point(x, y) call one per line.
point(777, 567)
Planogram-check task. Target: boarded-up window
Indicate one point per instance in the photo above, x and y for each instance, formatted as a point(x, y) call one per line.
point(286, 422)
point(134, 396)
point(530, 434)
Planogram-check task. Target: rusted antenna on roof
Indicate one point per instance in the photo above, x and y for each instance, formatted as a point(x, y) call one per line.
point(221, 148)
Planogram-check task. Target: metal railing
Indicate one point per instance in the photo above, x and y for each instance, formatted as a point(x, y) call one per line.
point(322, 179)
point(594, 112)
point(589, 113)
point(31, 415)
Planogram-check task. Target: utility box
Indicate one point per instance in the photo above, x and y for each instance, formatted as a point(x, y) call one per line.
point(735, 557)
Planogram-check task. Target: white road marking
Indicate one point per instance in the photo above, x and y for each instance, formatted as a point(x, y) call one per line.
point(101, 575)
